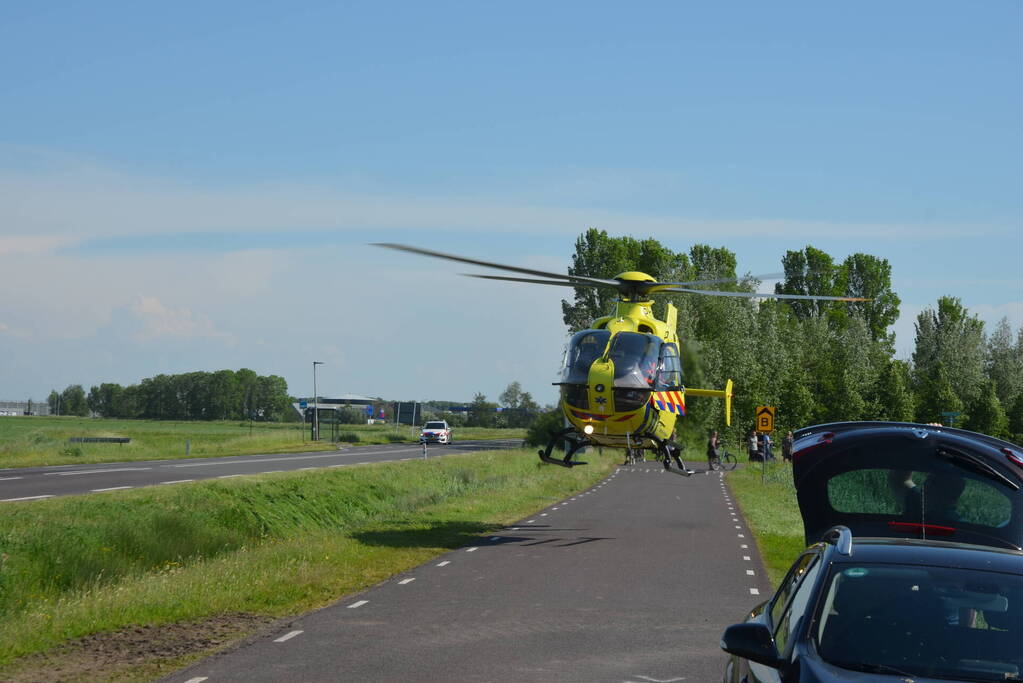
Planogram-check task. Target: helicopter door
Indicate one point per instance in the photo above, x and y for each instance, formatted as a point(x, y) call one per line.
point(669, 373)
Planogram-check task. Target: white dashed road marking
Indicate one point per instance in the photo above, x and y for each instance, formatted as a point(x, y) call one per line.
point(754, 591)
point(471, 550)
point(404, 581)
point(444, 563)
point(200, 679)
point(355, 605)
point(177, 481)
point(287, 636)
point(11, 500)
point(750, 572)
point(112, 488)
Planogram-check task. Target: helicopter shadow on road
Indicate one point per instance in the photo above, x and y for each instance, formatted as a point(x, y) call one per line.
point(441, 535)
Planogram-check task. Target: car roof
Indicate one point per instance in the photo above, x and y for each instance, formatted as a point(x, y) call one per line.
point(851, 474)
point(909, 551)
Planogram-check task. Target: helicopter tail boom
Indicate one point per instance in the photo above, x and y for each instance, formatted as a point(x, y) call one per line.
point(726, 394)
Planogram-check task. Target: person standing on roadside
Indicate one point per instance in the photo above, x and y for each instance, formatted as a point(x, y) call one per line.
point(786, 447)
point(712, 450)
point(768, 453)
point(751, 447)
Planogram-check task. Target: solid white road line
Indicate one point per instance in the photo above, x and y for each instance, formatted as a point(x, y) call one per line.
point(11, 500)
point(287, 636)
point(404, 581)
point(112, 488)
point(355, 605)
point(115, 469)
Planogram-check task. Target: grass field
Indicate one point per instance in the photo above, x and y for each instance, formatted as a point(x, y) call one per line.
point(768, 502)
point(37, 441)
point(240, 551)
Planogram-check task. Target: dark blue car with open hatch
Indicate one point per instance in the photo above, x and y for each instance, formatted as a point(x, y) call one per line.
point(914, 565)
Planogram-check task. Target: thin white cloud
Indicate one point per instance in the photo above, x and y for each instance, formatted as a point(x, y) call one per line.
point(84, 202)
point(19, 245)
point(160, 320)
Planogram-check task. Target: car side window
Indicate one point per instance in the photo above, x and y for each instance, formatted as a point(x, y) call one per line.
point(798, 606)
point(788, 586)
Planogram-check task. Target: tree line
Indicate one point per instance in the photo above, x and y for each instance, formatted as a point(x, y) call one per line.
point(220, 395)
point(816, 361)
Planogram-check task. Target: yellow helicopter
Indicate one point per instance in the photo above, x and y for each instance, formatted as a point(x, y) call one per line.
point(621, 379)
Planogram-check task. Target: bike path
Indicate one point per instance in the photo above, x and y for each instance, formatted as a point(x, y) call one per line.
point(632, 580)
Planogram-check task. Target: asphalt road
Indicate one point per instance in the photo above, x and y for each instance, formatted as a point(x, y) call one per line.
point(35, 483)
point(631, 581)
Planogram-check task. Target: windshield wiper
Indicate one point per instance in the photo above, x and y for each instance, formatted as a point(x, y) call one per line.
point(977, 465)
point(873, 668)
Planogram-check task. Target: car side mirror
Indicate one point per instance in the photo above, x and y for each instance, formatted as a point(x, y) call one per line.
point(752, 641)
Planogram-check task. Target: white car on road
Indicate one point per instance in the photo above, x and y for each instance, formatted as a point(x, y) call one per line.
point(436, 431)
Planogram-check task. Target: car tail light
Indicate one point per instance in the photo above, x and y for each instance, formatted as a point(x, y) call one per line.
point(923, 529)
point(825, 439)
point(1014, 457)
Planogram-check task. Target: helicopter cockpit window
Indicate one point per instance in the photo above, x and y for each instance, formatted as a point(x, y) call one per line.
point(635, 357)
point(584, 348)
point(669, 375)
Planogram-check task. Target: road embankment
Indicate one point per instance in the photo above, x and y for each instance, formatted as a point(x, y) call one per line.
point(257, 547)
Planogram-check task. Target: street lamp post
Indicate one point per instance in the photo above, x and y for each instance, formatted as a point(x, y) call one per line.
point(316, 405)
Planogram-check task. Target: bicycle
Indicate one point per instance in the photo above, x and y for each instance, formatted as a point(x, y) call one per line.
point(724, 461)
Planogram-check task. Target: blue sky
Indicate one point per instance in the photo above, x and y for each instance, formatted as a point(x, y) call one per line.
point(176, 180)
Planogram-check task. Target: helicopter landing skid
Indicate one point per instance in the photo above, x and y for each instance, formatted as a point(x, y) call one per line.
point(567, 461)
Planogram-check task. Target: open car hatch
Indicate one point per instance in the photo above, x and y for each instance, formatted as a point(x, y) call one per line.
point(899, 480)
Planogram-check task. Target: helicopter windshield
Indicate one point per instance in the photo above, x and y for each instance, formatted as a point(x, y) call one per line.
point(635, 358)
point(584, 348)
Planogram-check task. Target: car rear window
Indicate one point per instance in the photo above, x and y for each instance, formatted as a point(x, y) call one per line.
point(900, 493)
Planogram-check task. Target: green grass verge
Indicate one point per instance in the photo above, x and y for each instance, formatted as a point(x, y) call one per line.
point(767, 500)
point(274, 544)
point(38, 441)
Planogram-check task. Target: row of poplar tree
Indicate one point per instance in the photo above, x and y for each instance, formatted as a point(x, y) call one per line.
point(816, 361)
point(220, 395)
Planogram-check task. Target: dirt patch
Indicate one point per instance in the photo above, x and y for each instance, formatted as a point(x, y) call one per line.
point(137, 653)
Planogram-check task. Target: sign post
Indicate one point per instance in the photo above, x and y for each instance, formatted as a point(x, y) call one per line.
point(764, 418)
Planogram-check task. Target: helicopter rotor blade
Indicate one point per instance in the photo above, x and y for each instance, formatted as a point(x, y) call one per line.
point(539, 282)
point(578, 279)
point(725, 280)
point(760, 295)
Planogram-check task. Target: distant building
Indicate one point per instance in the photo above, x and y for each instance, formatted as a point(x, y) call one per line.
point(325, 403)
point(9, 408)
